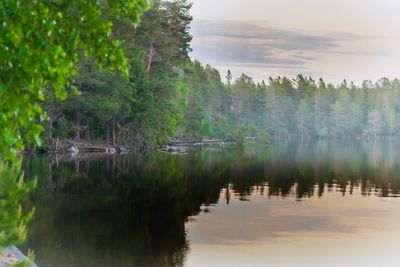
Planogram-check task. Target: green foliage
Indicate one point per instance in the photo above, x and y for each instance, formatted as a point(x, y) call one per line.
point(252, 133)
point(41, 44)
point(222, 127)
point(27, 262)
point(264, 137)
point(206, 128)
point(13, 190)
point(242, 132)
point(302, 107)
point(209, 110)
point(145, 108)
point(167, 95)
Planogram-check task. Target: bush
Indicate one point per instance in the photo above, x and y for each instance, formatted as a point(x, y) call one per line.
point(245, 131)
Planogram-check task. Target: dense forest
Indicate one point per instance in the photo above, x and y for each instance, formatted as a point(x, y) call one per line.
point(303, 107)
point(168, 95)
point(120, 72)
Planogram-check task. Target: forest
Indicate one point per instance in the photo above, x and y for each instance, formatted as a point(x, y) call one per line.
point(168, 95)
point(121, 73)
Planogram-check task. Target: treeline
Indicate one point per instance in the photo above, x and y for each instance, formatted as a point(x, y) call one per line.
point(305, 107)
point(144, 108)
point(282, 107)
point(167, 95)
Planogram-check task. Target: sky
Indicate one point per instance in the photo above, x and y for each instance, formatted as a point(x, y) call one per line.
point(343, 39)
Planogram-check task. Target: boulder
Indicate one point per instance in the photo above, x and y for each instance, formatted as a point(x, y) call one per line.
point(73, 149)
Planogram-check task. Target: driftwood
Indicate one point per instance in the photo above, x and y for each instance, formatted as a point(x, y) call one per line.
point(179, 150)
point(89, 147)
point(202, 142)
point(72, 147)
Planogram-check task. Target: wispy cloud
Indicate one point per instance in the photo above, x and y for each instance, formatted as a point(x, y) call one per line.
point(252, 44)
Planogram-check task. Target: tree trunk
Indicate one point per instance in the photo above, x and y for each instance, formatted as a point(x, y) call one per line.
point(57, 141)
point(107, 132)
point(150, 57)
point(77, 124)
point(88, 132)
point(114, 139)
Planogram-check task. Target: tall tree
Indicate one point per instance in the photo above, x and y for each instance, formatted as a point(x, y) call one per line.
point(42, 43)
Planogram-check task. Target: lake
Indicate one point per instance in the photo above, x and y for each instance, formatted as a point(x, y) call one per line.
point(297, 204)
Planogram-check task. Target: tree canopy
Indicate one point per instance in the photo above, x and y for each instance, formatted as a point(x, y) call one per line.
point(42, 43)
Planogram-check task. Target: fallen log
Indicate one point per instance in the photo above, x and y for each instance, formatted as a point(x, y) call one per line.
point(201, 142)
point(89, 147)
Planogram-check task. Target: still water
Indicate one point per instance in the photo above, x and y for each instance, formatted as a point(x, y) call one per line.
point(310, 204)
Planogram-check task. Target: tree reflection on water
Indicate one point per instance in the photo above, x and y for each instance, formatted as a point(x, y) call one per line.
point(131, 210)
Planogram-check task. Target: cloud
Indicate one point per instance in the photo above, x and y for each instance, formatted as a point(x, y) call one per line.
point(250, 44)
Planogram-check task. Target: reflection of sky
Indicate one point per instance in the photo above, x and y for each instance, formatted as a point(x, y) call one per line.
point(355, 39)
point(330, 231)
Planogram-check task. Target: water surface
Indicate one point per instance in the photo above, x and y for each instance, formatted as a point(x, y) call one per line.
point(311, 204)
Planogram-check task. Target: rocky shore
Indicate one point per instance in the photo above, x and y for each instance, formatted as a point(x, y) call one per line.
point(84, 146)
point(73, 147)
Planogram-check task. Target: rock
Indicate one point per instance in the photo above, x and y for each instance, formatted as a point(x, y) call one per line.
point(199, 144)
point(73, 149)
point(12, 255)
point(111, 150)
point(123, 150)
point(174, 149)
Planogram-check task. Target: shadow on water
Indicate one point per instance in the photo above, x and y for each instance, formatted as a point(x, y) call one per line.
point(131, 210)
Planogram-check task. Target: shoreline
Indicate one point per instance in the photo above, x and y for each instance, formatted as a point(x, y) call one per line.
point(86, 146)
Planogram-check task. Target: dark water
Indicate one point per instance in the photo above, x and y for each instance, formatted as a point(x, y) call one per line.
point(313, 204)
